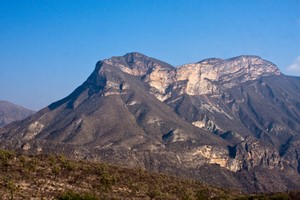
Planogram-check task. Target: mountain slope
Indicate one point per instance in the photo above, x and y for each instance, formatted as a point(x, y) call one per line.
point(10, 112)
point(230, 123)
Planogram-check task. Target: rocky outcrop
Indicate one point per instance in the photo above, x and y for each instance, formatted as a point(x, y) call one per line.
point(207, 77)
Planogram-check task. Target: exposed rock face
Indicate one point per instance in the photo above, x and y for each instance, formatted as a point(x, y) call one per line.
point(213, 77)
point(10, 112)
point(210, 76)
point(226, 122)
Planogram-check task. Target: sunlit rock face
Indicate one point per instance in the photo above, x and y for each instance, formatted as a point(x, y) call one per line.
point(209, 76)
point(214, 75)
point(33, 129)
point(207, 154)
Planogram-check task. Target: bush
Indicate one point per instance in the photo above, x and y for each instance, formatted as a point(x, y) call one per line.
point(75, 196)
point(10, 185)
point(106, 179)
point(56, 169)
point(154, 192)
point(279, 197)
point(202, 194)
point(6, 155)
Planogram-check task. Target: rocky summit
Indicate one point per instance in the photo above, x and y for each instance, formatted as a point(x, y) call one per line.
point(231, 123)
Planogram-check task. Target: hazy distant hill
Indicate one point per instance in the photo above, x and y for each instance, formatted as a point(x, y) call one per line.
point(10, 112)
point(229, 123)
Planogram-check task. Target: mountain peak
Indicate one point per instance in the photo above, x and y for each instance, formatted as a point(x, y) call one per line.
point(135, 55)
point(130, 57)
point(210, 75)
point(253, 66)
point(246, 57)
point(210, 61)
point(136, 64)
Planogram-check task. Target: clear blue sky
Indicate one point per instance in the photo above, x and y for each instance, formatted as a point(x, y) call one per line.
point(49, 47)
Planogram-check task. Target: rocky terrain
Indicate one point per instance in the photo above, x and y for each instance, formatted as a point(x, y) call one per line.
point(10, 112)
point(230, 123)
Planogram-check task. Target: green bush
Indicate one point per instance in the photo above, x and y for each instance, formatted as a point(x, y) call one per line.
point(154, 192)
point(10, 185)
point(279, 197)
point(52, 160)
point(6, 155)
point(75, 196)
point(106, 179)
point(56, 169)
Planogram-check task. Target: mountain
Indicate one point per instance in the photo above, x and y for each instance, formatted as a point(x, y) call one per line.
point(10, 112)
point(229, 123)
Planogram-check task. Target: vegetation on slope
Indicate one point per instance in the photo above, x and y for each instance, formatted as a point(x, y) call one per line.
point(56, 177)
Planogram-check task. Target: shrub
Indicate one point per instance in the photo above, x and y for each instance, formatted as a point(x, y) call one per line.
point(106, 179)
point(75, 196)
point(279, 197)
point(56, 170)
point(154, 192)
point(6, 155)
point(10, 185)
point(6, 158)
point(52, 160)
point(202, 194)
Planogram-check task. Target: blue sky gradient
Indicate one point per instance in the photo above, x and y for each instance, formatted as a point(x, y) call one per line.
point(49, 47)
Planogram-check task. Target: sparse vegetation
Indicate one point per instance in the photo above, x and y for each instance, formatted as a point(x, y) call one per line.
point(57, 177)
